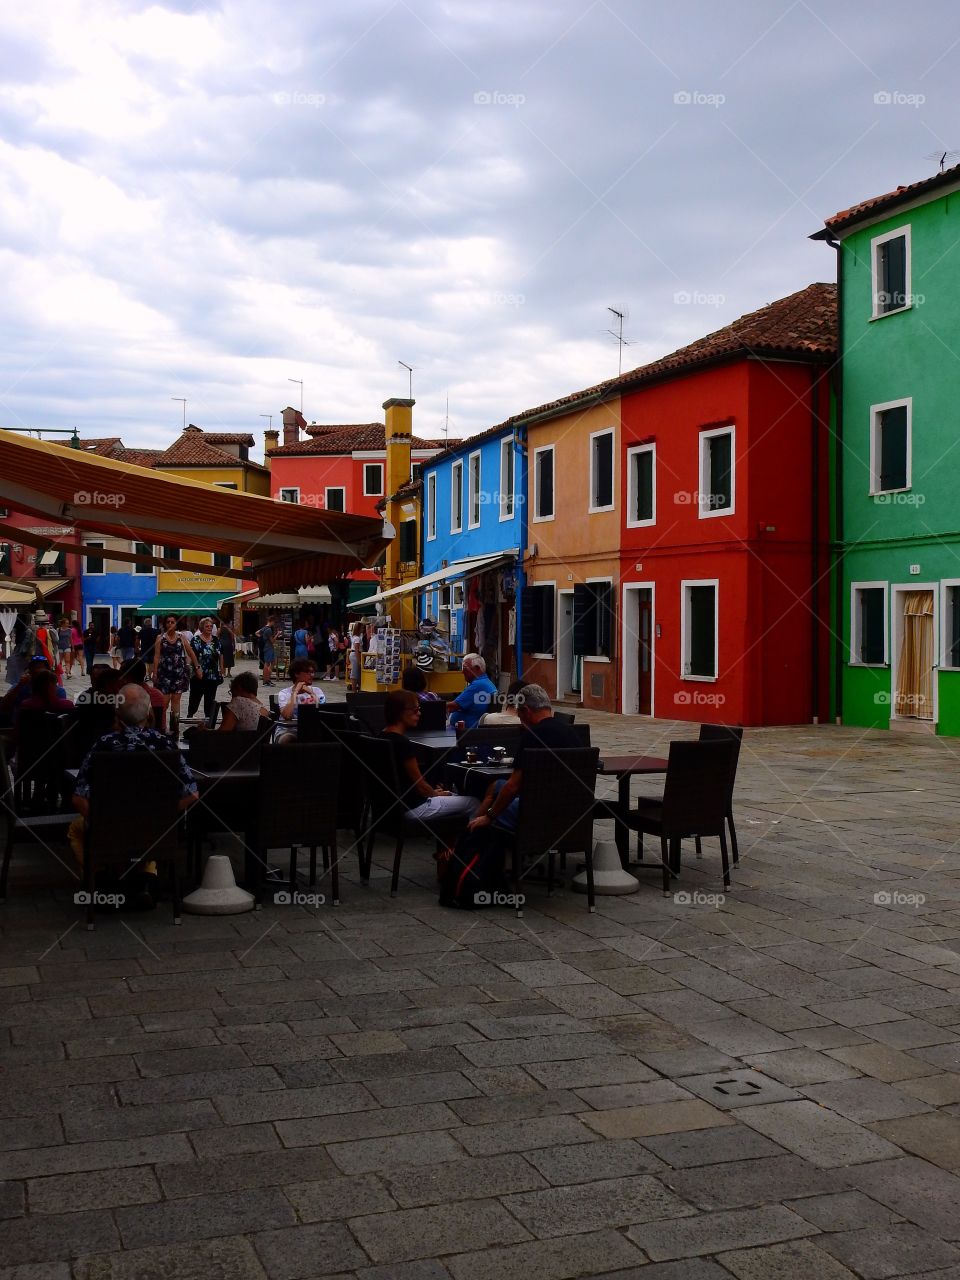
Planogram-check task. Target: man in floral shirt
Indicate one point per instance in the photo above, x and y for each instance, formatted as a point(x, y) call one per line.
point(133, 710)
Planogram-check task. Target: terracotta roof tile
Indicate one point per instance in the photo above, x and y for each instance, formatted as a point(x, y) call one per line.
point(801, 326)
point(902, 195)
point(141, 457)
point(230, 437)
point(193, 449)
point(338, 440)
point(105, 447)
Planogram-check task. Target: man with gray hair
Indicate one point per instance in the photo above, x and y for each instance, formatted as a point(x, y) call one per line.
point(501, 804)
point(479, 696)
point(133, 734)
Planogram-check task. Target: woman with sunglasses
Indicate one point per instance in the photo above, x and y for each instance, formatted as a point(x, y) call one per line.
point(173, 661)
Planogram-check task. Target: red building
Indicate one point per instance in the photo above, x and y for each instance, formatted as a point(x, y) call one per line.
point(54, 573)
point(724, 582)
point(340, 468)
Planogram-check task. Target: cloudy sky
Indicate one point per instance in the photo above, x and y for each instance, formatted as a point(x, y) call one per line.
point(206, 199)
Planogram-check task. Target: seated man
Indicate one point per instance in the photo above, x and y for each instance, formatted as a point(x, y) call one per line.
point(134, 672)
point(501, 804)
point(104, 687)
point(302, 693)
point(479, 697)
point(132, 734)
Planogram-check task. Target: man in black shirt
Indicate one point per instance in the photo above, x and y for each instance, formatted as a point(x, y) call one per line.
point(501, 804)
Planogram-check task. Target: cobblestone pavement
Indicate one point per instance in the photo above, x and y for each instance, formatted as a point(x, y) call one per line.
point(764, 1087)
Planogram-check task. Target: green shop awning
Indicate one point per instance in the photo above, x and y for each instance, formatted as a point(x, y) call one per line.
point(183, 602)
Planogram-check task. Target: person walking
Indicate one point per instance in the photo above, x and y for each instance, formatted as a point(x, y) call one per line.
point(148, 642)
point(65, 645)
point(209, 673)
point(90, 646)
point(228, 646)
point(114, 649)
point(172, 662)
point(267, 636)
point(356, 655)
point(333, 649)
point(76, 644)
point(301, 641)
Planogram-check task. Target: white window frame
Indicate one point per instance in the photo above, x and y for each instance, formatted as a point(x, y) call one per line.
point(704, 510)
point(334, 488)
point(139, 570)
point(945, 586)
point(535, 517)
point(508, 467)
point(632, 486)
point(474, 489)
point(854, 660)
point(593, 508)
point(103, 556)
point(373, 493)
point(875, 243)
point(431, 503)
point(875, 411)
point(686, 583)
point(456, 489)
point(289, 489)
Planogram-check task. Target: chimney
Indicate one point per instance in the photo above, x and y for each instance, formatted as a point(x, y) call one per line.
point(293, 420)
point(398, 430)
point(271, 439)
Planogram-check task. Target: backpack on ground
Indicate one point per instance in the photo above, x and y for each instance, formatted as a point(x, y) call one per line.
point(473, 874)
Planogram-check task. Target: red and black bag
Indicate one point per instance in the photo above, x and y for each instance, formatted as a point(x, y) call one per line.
point(473, 874)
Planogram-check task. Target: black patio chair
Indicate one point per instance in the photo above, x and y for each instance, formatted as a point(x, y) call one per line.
point(82, 727)
point(297, 808)
point(555, 813)
point(372, 715)
point(134, 817)
point(14, 829)
point(40, 761)
point(694, 804)
point(484, 737)
point(388, 796)
point(315, 724)
point(564, 717)
point(226, 804)
point(726, 733)
point(433, 717)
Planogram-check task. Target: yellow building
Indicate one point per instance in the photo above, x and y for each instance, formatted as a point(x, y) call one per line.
point(218, 458)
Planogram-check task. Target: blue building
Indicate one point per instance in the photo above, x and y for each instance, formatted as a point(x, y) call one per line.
point(113, 590)
point(474, 529)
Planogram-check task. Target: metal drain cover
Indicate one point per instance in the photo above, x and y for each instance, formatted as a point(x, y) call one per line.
point(739, 1088)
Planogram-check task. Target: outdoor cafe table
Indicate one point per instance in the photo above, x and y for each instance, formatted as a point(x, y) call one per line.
point(435, 746)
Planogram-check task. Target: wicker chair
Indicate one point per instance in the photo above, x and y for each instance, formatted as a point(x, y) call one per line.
point(485, 737)
point(297, 808)
point(15, 829)
point(555, 812)
point(387, 797)
point(433, 717)
point(225, 802)
point(694, 803)
point(82, 727)
point(134, 816)
point(726, 733)
point(41, 760)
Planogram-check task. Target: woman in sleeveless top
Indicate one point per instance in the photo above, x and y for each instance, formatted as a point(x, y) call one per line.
point(172, 663)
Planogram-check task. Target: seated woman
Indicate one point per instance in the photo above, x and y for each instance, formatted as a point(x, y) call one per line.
point(508, 708)
point(423, 801)
point(244, 711)
point(414, 680)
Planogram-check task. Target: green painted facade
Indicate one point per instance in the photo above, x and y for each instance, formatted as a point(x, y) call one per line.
point(906, 536)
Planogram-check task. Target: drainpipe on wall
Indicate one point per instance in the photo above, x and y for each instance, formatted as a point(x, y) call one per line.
point(815, 543)
point(838, 489)
point(520, 442)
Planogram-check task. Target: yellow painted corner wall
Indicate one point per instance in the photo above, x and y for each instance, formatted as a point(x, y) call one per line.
point(574, 531)
point(247, 481)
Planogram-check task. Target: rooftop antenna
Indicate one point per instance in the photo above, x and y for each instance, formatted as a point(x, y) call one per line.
point(446, 421)
point(409, 369)
point(943, 157)
point(299, 382)
point(269, 417)
point(618, 334)
point(183, 401)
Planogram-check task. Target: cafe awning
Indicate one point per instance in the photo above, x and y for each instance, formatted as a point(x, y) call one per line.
point(183, 602)
point(17, 593)
point(285, 543)
point(451, 573)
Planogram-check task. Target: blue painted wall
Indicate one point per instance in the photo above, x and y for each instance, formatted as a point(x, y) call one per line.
point(492, 533)
point(112, 590)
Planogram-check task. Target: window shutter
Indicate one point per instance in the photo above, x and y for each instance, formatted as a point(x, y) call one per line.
point(547, 617)
point(893, 273)
point(530, 620)
point(603, 471)
point(871, 625)
point(584, 618)
point(408, 540)
point(545, 484)
point(703, 658)
point(604, 605)
point(893, 448)
point(720, 466)
point(643, 485)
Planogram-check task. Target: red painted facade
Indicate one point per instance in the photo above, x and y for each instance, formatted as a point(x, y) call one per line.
point(768, 557)
point(24, 562)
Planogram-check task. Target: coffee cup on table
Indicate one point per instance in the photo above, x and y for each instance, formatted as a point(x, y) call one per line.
point(499, 754)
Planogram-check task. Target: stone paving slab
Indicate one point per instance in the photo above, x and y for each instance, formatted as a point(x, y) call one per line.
point(390, 1091)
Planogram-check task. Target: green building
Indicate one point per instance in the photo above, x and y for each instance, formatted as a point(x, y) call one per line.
point(897, 459)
